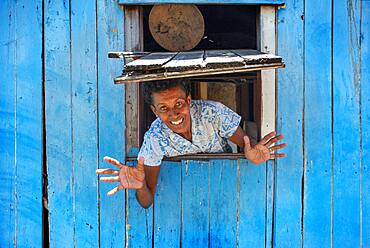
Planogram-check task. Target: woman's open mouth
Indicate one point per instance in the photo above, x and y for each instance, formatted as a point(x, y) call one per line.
point(178, 122)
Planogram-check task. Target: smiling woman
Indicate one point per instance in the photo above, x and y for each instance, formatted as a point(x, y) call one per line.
point(184, 126)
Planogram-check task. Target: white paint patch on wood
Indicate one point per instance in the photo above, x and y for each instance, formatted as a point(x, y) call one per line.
point(268, 44)
point(150, 61)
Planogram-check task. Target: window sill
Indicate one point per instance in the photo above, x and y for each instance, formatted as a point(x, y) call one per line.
point(199, 156)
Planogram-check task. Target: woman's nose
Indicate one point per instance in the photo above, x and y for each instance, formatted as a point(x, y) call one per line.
point(174, 112)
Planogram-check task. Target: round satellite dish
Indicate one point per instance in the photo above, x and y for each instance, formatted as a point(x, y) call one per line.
point(176, 27)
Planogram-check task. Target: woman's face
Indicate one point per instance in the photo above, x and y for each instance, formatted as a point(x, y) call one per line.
point(172, 106)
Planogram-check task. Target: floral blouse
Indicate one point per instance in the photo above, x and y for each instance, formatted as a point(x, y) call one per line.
point(212, 124)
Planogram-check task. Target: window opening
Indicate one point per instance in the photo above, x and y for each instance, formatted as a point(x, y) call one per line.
point(226, 27)
point(263, 92)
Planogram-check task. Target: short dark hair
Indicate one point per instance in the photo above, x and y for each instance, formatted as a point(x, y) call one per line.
point(161, 85)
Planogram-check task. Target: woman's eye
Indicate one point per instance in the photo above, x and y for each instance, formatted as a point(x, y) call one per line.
point(178, 104)
point(163, 109)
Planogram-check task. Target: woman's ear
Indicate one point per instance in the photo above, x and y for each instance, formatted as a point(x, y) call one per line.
point(188, 99)
point(154, 110)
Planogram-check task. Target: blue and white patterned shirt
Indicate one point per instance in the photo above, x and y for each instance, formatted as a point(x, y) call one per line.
point(212, 123)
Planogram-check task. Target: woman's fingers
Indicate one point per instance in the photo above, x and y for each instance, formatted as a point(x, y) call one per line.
point(277, 155)
point(273, 140)
point(277, 147)
point(107, 171)
point(113, 161)
point(267, 138)
point(115, 190)
point(140, 164)
point(109, 179)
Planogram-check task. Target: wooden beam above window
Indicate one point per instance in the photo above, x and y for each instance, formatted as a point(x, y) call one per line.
point(249, 2)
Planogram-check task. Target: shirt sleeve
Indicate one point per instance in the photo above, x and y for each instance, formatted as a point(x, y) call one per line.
point(227, 121)
point(151, 151)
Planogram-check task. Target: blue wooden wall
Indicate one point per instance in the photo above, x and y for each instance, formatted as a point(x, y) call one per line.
point(58, 106)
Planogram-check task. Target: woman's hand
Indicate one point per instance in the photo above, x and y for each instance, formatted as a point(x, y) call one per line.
point(129, 177)
point(264, 150)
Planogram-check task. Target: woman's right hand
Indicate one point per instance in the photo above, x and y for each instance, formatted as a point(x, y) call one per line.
point(129, 177)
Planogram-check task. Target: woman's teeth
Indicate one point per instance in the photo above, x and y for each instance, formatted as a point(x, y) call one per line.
point(177, 122)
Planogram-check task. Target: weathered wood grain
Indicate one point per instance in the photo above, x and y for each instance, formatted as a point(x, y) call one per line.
point(222, 59)
point(58, 121)
point(195, 204)
point(252, 204)
point(256, 2)
point(267, 31)
point(150, 62)
point(365, 115)
point(289, 170)
point(69, 84)
point(346, 126)
point(252, 57)
point(133, 40)
point(223, 203)
point(270, 202)
point(157, 66)
point(111, 116)
point(122, 55)
point(8, 61)
point(167, 206)
point(317, 125)
point(136, 78)
point(29, 124)
point(185, 61)
point(139, 221)
point(267, 43)
point(84, 122)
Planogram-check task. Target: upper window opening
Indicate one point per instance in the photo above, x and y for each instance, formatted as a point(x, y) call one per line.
point(226, 27)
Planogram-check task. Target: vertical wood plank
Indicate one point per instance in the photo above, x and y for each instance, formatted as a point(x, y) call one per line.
point(270, 202)
point(252, 204)
point(111, 119)
point(267, 44)
point(167, 206)
point(84, 122)
point(317, 125)
point(29, 123)
point(7, 122)
point(365, 111)
point(223, 203)
point(133, 42)
point(289, 170)
point(59, 123)
point(139, 221)
point(346, 88)
point(195, 204)
point(365, 100)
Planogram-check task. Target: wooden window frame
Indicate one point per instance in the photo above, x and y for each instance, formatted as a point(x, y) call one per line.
point(266, 41)
point(235, 2)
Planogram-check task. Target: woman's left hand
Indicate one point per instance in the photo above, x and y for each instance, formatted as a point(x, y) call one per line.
point(264, 150)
